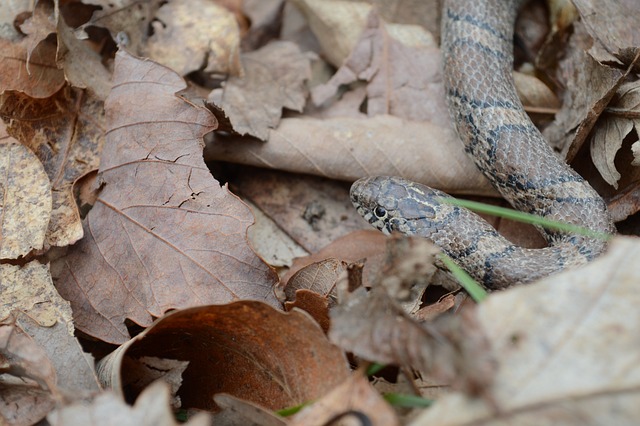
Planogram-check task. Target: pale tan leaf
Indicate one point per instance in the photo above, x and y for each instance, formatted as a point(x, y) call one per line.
point(567, 353)
point(354, 400)
point(25, 206)
point(151, 409)
point(350, 148)
point(186, 41)
point(29, 290)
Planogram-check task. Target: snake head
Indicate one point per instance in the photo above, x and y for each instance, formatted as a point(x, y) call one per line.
point(395, 204)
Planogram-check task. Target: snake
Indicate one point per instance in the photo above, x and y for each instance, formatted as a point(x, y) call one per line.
point(505, 145)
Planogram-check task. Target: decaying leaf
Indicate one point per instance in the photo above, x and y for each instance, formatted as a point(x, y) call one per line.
point(245, 349)
point(25, 208)
point(163, 234)
point(274, 78)
point(567, 352)
point(239, 412)
point(354, 400)
point(29, 290)
point(186, 42)
point(151, 409)
point(66, 131)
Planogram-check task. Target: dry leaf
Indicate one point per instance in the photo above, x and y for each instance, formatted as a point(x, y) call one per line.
point(311, 210)
point(336, 24)
point(163, 234)
point(81, 64)
point(589, 88)
point(9, 10)
point(66, 131)
point(614, 29)
point(152, 409)
point(567, 352)
point(186, 41)
point(246, 349)
point(29, 290)
point(350, 148)
point(28, 64)
point(238, 412)
point(612, 129)
point(403, 80)
point(28, 382)
point(128, 21)
point(274, 78)
point(354, 399)
point(25, 208)
point(75, 370)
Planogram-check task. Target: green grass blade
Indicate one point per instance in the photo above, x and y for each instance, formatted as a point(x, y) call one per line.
point(526, 218)
point(405, 400)
point(473, 288)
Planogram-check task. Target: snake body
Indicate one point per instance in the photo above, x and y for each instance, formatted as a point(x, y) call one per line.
point(477, 46)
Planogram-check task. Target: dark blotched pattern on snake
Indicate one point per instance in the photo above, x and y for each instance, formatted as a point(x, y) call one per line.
point(505, 145)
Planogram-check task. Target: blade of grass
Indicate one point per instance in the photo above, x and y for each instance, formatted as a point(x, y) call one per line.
point(405, 400)
point(472, 287)
point(526, 218)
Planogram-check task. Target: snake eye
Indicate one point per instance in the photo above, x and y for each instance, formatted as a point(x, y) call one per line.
point(380, 212)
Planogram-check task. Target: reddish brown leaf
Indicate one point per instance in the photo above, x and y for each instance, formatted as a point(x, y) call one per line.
point(246, 349)
point(163, 234)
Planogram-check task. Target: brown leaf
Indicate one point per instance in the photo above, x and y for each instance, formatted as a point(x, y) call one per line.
point(612, 129)
point(128, 21)
point(274, 78)
point(41, 81)
point(66, 132)
point(81, 64)
point(589, 88)
point(350, 148)
point(163, 234)
point(25, 208)
point(28, 381)
point(311, 210)
point(403, 80)
point(186, 41)
point(246, 349)
point(614, 28)
point(152, 409)
point(565, 355)
point(354, 399)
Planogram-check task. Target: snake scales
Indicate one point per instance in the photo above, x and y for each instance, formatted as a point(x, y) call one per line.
point(477, 46)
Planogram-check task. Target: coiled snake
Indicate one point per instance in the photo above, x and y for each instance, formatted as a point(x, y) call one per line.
point(477, 51)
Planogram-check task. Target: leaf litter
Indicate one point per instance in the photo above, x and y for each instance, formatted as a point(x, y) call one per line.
point(160, 249)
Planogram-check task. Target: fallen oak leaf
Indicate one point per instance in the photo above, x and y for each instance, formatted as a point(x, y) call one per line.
point(163, 234)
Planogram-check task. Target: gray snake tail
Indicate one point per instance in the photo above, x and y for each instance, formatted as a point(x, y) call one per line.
point(505, 145)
